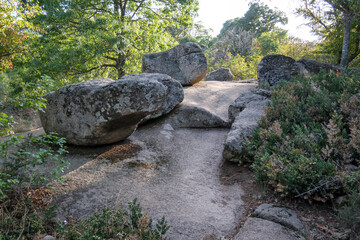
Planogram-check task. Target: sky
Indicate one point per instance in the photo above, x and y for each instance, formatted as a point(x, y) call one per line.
point(213, 13)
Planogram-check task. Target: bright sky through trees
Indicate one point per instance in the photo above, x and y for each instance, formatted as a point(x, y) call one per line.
point(213, 13)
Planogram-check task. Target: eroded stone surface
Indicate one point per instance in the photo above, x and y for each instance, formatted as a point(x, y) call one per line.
point(186, 63)
point(101, 111)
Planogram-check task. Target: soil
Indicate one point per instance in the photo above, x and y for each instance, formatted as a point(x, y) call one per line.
point(319, 218)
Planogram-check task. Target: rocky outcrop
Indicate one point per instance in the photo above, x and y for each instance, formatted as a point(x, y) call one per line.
point(186, 63)
point(101, 111)
point(272, 222)
point(244, 114)
point(174, 92)
point(274, 68)
point(312, 66)
point(221, 74)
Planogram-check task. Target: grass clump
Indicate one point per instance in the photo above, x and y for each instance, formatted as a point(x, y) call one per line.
point(308, 143)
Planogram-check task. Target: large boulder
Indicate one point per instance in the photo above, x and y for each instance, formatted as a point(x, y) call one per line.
point(274, 68)
point(221, 74)
point(101, 111)
point(186, 63)
point(174, 92)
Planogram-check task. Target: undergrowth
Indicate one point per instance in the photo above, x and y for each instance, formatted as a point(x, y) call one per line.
point(131, 224)
point(308, 142)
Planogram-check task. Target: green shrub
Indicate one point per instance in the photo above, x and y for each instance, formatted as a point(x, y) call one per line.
point(115, 224)
point(241, 67)
point(310, 136)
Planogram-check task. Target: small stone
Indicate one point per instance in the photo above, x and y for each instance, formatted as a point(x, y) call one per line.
point(221, 74)
point(49, 238)
point(260, 229)
point(283, 216)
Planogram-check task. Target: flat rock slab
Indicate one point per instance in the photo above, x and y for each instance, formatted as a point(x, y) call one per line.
point(174, 172)
point(260, 229)
point(175, 175)
point(215, 96)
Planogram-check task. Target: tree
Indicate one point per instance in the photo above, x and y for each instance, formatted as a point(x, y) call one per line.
point(236, 41)
point(238, 34)
point(258, 19)
point(331, 18)
point(15, 27)
point(269, 42)
point(106, 36)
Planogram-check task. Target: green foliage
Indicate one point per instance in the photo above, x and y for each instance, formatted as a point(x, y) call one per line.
point(309, 135)
point(115, 224)
point(349, 211)
point(20, 156)
point(269, 42)
point(241, 67)
point(258, 19)
point(15, 27)
point(104, 38)
point(334, 21)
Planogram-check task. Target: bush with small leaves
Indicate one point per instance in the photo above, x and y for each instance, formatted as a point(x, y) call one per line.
point(308, 141)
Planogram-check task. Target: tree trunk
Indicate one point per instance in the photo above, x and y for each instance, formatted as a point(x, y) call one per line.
point(346, 40)
point(120, 65)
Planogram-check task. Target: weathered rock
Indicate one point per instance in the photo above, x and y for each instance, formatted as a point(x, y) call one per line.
point(101, 111)
point(174, 92)
point(221, 74)
point(242, 101)
point(186, 63)
point(244, 124)
point(260, 229)
point(284, 216)
point(195, 117)
point(312, 66)
point(262, 92)
point(274, 68)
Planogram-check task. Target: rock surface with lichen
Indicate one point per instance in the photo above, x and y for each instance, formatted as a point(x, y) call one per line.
point(101, 111)
point(186, 63)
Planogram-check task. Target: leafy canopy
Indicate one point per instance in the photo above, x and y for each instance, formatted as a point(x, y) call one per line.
point(106, 38)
